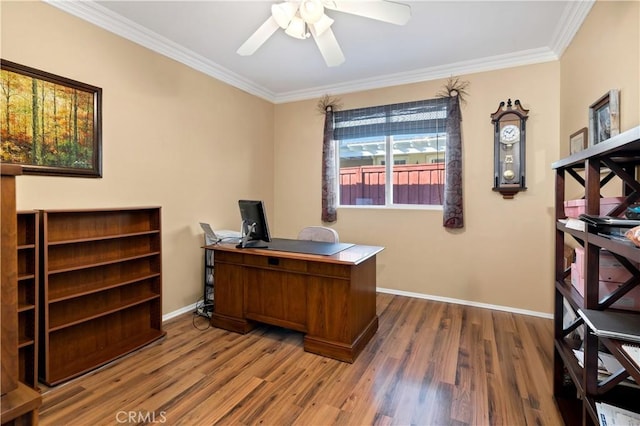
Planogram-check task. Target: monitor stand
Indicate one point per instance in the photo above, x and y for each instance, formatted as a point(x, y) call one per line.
point(252, 244)
point(246, 241)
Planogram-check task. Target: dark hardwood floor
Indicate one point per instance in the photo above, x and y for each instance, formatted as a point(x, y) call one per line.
point(430, 363)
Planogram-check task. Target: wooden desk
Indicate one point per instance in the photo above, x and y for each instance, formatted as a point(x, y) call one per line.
point(332, 299)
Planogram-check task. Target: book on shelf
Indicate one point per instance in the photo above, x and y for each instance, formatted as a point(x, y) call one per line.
point(607, 221)
point(617, 237)
point(633, 351)
point(615, 325)
point(605, 226)
point(610, 415)
point(607, 366)
point(572, 223)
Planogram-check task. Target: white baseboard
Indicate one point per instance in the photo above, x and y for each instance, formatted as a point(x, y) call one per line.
point(465, 302)
point(192, 307)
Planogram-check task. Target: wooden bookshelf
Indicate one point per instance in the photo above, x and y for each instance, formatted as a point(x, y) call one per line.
point(9, 273)
point(18, 402)
point(577, 385)
point(28, 243)
point(101, 293)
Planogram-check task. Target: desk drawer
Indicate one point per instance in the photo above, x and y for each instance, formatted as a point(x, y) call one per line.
point(276, 262)
point(329, 269)
point(228, 257)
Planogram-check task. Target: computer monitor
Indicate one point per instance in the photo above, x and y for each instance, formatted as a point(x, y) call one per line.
point(255, 230)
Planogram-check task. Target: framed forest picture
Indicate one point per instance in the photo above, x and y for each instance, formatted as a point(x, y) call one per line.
point(50, 125)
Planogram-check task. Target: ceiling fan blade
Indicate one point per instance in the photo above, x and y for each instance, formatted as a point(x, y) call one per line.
point(381, 10)
point(329, 47)
point(258, 38)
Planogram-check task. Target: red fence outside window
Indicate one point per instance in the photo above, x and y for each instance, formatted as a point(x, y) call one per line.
point(412, 184)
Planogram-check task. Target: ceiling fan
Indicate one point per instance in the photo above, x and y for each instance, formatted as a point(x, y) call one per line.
point(305, 18)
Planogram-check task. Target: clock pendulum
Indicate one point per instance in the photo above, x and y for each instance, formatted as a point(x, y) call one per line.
point(509, 135)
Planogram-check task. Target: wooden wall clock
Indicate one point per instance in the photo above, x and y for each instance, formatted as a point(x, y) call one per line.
point(509, 142)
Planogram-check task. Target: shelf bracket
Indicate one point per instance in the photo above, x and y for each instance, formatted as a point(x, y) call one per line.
point(612, 381)
point(576, 176)
point(615, 295)
point(571, 327)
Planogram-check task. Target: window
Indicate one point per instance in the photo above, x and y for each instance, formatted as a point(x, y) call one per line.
point(392, 154)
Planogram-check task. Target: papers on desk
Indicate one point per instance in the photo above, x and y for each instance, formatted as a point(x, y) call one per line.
point(227, 236)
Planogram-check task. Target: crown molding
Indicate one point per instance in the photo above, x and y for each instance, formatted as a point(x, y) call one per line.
point(574, 14)
point(572, 18)
point(527, 57)
point(570, 22)
point(112, 22)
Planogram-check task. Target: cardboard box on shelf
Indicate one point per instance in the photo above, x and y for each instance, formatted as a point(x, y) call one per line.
point(630, 301)
point(611, 270)
point(574, 208)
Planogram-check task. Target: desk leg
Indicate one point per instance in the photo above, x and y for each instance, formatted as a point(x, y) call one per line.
point(341, 316)
point(238, 325)
point(228, 312)
point(347, 352)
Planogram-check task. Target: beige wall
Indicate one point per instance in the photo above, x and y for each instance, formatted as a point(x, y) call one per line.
point(172, 137)
point(604, 55)
point(503, 255)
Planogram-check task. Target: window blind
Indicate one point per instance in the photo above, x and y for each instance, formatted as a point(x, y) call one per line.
point(426, 116)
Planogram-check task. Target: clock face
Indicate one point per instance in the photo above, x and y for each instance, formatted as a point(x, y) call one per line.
point(510, 134)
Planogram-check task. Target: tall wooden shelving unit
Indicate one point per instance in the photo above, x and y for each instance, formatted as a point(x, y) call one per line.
point(577, 387)
point(101, 287)
point(19, 403)
point(28, 240)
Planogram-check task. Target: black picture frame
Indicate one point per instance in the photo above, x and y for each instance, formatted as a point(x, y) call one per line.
point(604, 118)
point(50, 125)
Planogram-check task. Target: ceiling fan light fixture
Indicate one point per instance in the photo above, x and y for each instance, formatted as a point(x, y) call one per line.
point(283, 13)
point(322, 25)
point(297, 28)
point(302, 19)
point(311, 11)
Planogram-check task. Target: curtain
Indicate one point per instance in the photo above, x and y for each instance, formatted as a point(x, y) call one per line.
point(329, 185)
point(452, 206)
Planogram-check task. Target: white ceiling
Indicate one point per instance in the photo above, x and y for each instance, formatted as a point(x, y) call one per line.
point(442, 38)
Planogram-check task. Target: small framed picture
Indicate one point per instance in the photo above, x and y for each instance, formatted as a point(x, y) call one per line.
point(578, 141)
point(604, 117)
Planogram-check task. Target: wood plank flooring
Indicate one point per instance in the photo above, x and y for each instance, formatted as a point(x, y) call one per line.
point(430, 363)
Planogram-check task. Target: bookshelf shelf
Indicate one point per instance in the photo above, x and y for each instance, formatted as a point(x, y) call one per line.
point(101, 293)
point(578, 385)
point(28, 297)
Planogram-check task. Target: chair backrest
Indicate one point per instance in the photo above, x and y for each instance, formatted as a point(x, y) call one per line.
point(319, 233)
